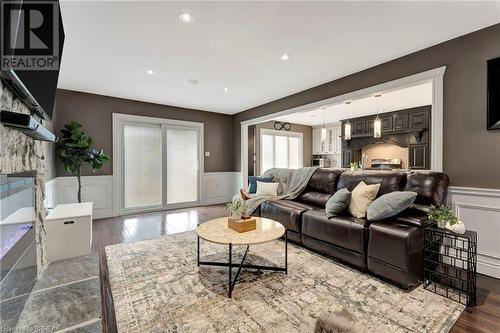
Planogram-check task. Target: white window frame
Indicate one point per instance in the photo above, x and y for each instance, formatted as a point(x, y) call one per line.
point(274, 133)
point(119, 120)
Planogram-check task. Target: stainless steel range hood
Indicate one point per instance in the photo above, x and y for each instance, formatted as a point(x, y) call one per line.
point(26, 124)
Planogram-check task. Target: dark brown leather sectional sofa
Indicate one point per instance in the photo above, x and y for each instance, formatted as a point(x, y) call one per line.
point(392, 249)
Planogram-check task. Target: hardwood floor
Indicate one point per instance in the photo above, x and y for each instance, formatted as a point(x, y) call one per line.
point(133, 228)
point(485, 317)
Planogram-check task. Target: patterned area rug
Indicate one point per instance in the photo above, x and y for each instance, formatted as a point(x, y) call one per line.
point(157, 287)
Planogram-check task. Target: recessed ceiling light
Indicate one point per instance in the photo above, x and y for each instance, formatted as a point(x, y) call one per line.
point(150, 72)
point(226, 89)
point(185, 17)
point(193, 81)
point(285, 56)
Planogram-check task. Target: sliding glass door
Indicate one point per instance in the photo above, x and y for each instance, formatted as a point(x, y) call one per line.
point(158, 163)
point(142, 166)
point(182, 165)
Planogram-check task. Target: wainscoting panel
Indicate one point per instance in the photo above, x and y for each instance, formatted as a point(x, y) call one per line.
point(50, 194)
point(97, 189)
point(219, 187)
point(479, 210)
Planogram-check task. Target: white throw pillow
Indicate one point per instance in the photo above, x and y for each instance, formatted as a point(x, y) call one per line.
point(267, 188)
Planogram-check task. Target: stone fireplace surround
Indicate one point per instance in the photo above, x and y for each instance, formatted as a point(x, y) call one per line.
point(20, 153)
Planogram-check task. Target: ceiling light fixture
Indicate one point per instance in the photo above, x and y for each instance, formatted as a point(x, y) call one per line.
point(186, 17)
point(377, 123)
point(285, 56)
point(347, 125)
point(226, 89)
point(150, 72)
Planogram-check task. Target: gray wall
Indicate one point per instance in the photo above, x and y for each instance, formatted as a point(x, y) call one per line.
point(471, 153)
point(94, 112)
point(306, 141)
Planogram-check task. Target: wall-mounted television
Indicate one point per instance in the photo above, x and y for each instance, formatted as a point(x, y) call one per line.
point(493, 94)
point(35, 87)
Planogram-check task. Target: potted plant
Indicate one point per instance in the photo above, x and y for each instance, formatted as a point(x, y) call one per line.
point(446, 218)
point(74, 149)
point(237, 209)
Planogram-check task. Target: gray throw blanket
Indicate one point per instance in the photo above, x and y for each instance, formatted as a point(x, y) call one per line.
point(292, 182)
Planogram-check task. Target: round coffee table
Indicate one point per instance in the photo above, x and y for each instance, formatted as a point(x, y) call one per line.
point(217, 231)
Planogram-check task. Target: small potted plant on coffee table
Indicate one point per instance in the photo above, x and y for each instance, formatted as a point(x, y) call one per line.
point(238, 219)
point(237, 209)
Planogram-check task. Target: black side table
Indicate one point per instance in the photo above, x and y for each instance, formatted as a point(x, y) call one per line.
point(450, 262)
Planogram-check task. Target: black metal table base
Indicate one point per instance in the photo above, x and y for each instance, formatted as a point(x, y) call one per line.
point(232, 281)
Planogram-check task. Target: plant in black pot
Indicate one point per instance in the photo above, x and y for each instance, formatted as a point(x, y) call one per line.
point(74, 149)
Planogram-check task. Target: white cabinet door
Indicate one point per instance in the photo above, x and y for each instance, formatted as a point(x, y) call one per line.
point(317, 149)
point(329, 140)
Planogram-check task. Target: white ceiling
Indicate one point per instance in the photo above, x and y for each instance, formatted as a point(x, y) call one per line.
point(110, 45)
point(389, 101)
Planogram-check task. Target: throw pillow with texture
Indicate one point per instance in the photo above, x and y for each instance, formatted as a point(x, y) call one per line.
point(252, 182)
point(267, 188)
point(338, 203)
point(361, 197)
point(389, 205)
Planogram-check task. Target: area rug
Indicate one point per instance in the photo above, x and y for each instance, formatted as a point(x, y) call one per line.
point(157, 287)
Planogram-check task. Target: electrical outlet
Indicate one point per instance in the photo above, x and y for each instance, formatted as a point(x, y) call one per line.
point(207, 154)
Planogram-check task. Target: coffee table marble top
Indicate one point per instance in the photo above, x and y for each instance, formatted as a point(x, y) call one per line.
point(217, 231)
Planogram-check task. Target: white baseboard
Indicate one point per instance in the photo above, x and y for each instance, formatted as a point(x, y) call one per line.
point(219, 187)
point(479, 210)
point(96, 189)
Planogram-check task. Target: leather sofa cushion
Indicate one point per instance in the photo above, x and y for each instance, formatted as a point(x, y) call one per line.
point(413, 217)
point(431, 187)
point(389, 181)
point(320, 187)
point(344, 231)
point(393, 243)
point(287, 212)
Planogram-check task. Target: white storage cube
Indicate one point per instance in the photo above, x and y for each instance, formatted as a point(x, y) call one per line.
point(69, 231)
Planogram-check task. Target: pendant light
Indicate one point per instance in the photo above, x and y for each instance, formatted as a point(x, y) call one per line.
point(377, 124)
point(347, 125)
point(323, 132)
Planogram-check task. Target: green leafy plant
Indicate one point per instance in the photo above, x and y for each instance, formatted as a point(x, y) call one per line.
point(441, 215)
point(237, 207)
point(74, 149)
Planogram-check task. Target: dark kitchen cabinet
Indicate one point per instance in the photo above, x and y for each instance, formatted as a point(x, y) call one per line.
point(370, 126)
point(386, 122)
point(419, 119)
point(419, 156)
point(347, 156)
point(359, 126)
point(400, 121)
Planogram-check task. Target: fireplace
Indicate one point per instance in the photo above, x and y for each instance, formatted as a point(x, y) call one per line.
point(18, 257)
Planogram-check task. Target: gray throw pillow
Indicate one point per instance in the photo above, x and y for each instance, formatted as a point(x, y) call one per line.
point(389, 205)
point(337, 203)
